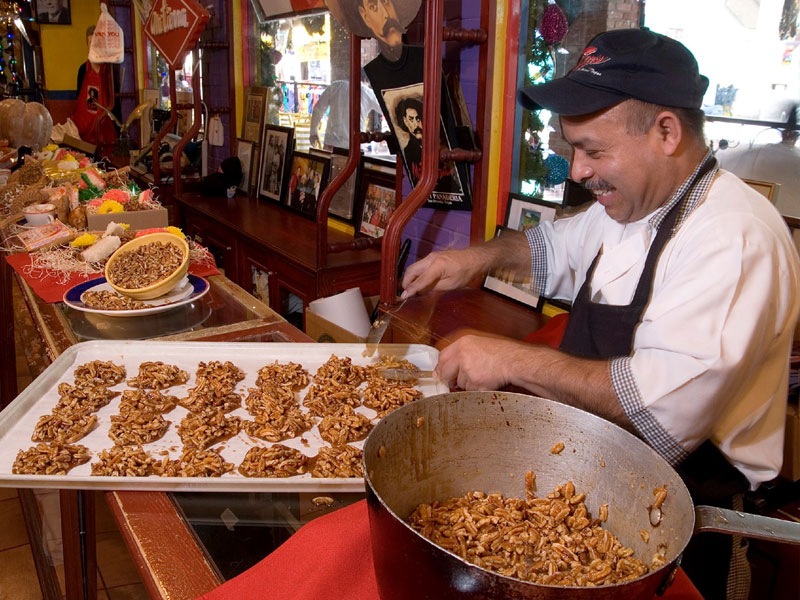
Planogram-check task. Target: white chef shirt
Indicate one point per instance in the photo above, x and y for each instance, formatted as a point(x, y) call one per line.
point(337, 97)
point(710, 357)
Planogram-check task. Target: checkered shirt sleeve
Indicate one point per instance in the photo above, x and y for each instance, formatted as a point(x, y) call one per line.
point(645, 422)
point(538, 249)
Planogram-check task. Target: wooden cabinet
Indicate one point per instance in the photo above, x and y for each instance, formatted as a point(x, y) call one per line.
point(271, 252)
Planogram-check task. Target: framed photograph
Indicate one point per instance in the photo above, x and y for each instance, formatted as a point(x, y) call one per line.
point(244, 150)
point(307, 178)
point(255, 105)
point(512, 285)
point(378, 200)
point(276, 152)
point(52, 12)
point(523, 212)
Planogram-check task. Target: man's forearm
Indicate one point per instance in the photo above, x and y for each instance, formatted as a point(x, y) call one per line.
point(579, 382)
point(509, 251)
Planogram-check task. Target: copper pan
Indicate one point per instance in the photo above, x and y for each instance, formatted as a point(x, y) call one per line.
point(447, 445)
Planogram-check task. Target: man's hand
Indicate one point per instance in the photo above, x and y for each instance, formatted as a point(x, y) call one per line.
point(313, 140)
point(453, 269)
point(475, 362)
point(447, 270)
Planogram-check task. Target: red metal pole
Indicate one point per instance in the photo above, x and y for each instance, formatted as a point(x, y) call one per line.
point(352, 158)
point(432, 80)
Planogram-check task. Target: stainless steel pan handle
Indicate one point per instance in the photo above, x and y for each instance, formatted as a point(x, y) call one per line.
point(711, 518)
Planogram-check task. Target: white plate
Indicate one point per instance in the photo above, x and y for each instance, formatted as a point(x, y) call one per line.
point(19, 418)
point(192, 288)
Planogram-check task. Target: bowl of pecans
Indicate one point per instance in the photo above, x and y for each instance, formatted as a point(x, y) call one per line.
point(149, 266)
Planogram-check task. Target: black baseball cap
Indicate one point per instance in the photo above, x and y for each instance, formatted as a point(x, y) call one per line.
point(621, 64)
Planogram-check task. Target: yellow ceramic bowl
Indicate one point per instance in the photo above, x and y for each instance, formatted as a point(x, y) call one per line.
point(159, 288)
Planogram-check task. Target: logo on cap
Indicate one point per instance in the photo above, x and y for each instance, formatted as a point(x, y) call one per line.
point(588, 59)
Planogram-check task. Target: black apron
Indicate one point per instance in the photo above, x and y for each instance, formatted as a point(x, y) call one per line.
point(606, 331)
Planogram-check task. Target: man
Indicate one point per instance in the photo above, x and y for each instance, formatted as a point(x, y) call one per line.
point(379, 19)
point(336, 97)
point(775, 163)
point(408, 117)
point(52, 11)
point(683, 282)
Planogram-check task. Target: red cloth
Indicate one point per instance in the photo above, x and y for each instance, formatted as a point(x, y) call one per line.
point(50, 290)
point(551, 333)
point(99, 86)
point(331, 557)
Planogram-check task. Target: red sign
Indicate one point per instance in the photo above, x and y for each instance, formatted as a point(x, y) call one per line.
point(174, 26)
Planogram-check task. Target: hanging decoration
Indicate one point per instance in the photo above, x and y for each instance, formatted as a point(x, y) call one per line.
point(547, 27)
point(557, 169)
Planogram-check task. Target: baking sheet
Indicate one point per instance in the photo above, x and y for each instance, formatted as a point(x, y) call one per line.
point(18, 420)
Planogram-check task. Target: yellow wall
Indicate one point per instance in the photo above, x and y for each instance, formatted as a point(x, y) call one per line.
point(64, 46)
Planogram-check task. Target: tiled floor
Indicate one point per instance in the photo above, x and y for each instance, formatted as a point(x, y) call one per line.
point(117, 577)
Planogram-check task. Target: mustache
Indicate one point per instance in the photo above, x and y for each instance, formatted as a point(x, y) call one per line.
point(389, 25)
point(417, 130)
point(597, 185)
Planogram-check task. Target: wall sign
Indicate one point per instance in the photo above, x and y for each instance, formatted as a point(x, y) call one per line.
point(174, 26)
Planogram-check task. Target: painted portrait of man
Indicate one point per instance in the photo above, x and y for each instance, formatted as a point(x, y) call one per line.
point(384, 20)
point(53, 12)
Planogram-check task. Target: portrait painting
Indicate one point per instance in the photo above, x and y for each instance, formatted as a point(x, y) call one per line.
point(405, 114)
point(400, 90)
point(384, 20)
point(307, 178)
point(276, 150)
point(53, 12)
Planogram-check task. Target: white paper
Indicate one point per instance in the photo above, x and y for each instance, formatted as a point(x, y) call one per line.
point(347, 310)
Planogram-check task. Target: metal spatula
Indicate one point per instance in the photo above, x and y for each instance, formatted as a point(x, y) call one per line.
point(379, 327)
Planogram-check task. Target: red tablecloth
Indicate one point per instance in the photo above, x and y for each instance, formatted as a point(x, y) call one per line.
point(331, 558)
point(50, 290)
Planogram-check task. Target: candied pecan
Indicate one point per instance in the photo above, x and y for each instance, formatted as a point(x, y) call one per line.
point(345, 425)
point(99, 372)
point(156, 375)
point(50, 459)
point(276, 461)
point(338, 461)
point(123, 461)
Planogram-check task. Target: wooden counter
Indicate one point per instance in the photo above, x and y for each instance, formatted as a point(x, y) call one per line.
point(249, 236)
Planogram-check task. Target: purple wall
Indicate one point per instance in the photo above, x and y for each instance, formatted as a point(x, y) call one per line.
point(432, 229)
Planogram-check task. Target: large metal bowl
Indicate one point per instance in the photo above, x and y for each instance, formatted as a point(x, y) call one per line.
point(447, 445)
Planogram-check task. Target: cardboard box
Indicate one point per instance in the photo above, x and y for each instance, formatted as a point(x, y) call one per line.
point(791, 444)
point(137, 219)
point(324, 331)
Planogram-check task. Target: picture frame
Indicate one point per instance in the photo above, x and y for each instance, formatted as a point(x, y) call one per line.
point(53, 12)
point(507, 285)
point(767, 189)
point(255, 106)
point(524, 212)
point(308, 176)
point(276, 151)
point(244, 150)
point(377, 200)
point(343, 203)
